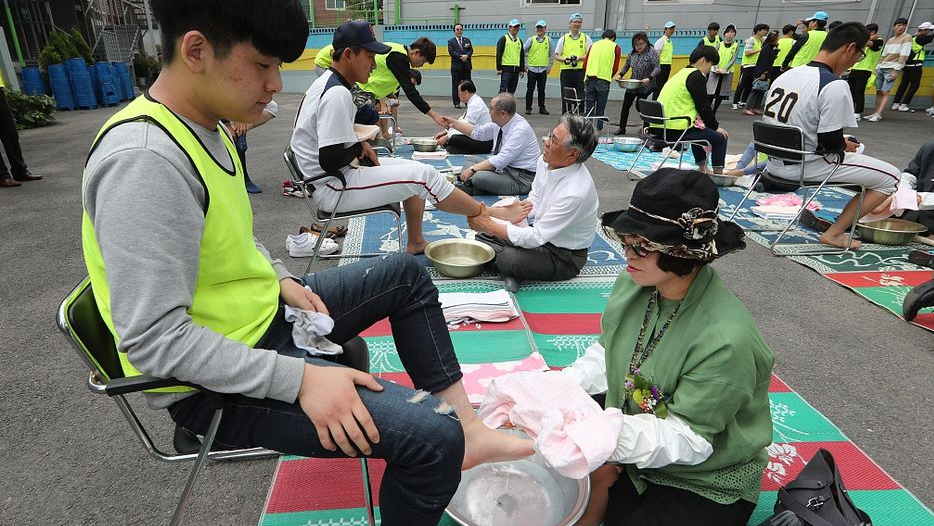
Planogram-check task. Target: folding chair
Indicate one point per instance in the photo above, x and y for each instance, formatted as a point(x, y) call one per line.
point(80, 321)
point(390, 151)
point(785, 143)
point(653, 112)
point(318, 215)
point(574, 102)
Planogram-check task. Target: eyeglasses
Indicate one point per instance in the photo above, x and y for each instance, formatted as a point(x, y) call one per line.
point(862, 54)
point(637, 248)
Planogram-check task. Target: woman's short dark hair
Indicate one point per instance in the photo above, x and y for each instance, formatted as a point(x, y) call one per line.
point(641, 35)
point(873, 27)
point(609, 33)
point(706, 52)
point(426, 47)
point(678, 266)
point(467, 86)
point(771, 38)
point(760, 27)
point(277, 28)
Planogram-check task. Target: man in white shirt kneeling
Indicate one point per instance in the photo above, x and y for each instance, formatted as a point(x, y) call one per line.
point(563, 204)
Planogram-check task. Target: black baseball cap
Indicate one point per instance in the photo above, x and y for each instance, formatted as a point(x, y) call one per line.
point(358, 33)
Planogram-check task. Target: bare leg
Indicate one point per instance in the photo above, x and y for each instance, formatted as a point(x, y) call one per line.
point(414, 211)
point(600, 482)
point(882, 99)
point(836, 235)
point(482, 444)
point(460, 203)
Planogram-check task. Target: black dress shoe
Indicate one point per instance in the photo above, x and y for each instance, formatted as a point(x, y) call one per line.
point(921, 257)
point(27, 176)
point(457, 106)
point(620, 131)
point(543, 111)
point(511, 283)
point(8, 182)
point(528, 111)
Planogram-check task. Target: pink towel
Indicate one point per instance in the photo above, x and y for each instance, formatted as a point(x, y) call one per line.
point(790, 200)
point(571, 431)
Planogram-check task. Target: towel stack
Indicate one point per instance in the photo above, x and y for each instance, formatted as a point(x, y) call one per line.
point(469, 307)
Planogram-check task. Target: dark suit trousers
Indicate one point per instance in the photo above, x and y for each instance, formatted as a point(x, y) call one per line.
point(10, 139)
point(457, 76)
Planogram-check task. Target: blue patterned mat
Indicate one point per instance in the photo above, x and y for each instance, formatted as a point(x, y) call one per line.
point(648, 161)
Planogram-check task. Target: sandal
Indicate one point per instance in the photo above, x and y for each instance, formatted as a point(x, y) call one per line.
point(334, 231)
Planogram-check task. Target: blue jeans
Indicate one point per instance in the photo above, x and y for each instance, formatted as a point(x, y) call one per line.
point(423, 449)
point(596, 92)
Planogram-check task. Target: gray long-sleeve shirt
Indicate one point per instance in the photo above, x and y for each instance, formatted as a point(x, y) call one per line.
point(147, 206)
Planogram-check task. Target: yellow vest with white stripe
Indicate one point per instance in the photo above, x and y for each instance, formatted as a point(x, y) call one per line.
point(511, 51)
point(810, 48)
point(677, 100)
point(783, 46)
point(237, 291)
point(574, 47)
point(668, 49)
point(600, 60)
point(382, 82)
point(750, 60)
point(918, 50)
point(715, 44)
point(727, 54)
point(868, 63)
point(538, 52)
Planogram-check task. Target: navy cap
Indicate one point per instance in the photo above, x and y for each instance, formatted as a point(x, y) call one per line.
point(358, 33)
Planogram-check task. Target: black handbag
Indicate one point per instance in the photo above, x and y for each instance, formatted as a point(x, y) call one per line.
point(817, 497)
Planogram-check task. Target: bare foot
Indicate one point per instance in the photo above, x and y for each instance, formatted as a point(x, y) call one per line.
point(735, 172)
point(416, 247)
point(484, 445)
point(839, 241)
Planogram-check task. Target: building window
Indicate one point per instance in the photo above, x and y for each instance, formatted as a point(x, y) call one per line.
point(555, 2)
point(334, 5)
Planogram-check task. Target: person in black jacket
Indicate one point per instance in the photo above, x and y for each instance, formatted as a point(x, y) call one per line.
point(760, 74)
point(461, 51)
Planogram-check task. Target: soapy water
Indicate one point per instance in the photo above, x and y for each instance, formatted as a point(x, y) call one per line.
point(516, 494)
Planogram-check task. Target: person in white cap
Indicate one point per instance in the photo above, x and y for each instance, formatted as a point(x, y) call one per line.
point(809, 43)
point(539, 57)
point(570, 52)
point(665, 51)
point(510, 60)
point(911, 79)
point(894, 56)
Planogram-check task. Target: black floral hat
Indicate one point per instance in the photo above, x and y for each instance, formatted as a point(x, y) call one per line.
point(676, 212)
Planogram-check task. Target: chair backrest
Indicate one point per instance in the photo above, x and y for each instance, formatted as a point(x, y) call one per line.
point(779, 141)
point(80, 321)
point(571, 94)
point(295, 172)
point(651, 111)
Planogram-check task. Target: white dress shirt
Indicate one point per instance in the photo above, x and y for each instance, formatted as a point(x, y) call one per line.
point(927, 198)
point(520, 147)
point(564, 209)
point(477, 113)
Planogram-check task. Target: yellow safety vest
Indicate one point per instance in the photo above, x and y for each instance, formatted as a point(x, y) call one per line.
point(715, 44)
point(868, 63)
point(750, 60)
point(677, 100)
point(382, 82)
point(727, 53)
point(600, 60)
point(539, 52)
point(323, 57)
point(783, 46)
point(810, 48)
point(917, 50)
point(511, 51)
point(576, 47)
point(237, 291)
point(668, 50)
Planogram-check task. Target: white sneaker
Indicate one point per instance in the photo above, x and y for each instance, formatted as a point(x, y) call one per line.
point(930, 111)
point(742, 104)
point(303, 245)
point(896, 106)
point(735, 106)
point(875, 117)
point(857, 116)
point(905, 108)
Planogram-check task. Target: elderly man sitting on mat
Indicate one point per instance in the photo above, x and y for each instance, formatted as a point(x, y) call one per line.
point(563, 202)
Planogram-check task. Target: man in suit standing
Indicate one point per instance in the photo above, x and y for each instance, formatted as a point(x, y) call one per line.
point(460, 50)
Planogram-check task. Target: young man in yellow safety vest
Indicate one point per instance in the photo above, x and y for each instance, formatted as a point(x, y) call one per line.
point(600, 67)
point(188, 293)
point(751, 49)
point(785, 42)
point(510, 60)
point(539, 58)
point(713, 37)
point(862, 71)
point(808, 44)
point(665, 49)
point(569, 53)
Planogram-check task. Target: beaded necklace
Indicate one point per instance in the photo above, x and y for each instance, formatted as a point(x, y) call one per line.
point(640, 354)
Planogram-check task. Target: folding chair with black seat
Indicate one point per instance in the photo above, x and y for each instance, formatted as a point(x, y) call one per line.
point(319, 215)
point(573, 101)
point(80, 321)
point(653, 112)
point(785, 143)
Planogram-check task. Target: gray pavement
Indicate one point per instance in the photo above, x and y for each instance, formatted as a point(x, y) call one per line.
point(69, 458)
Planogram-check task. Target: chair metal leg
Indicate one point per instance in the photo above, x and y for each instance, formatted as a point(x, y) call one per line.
point(752, 188)
point(636, 160)
point(823, 251)
point(196, 469)
point(367, 492)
